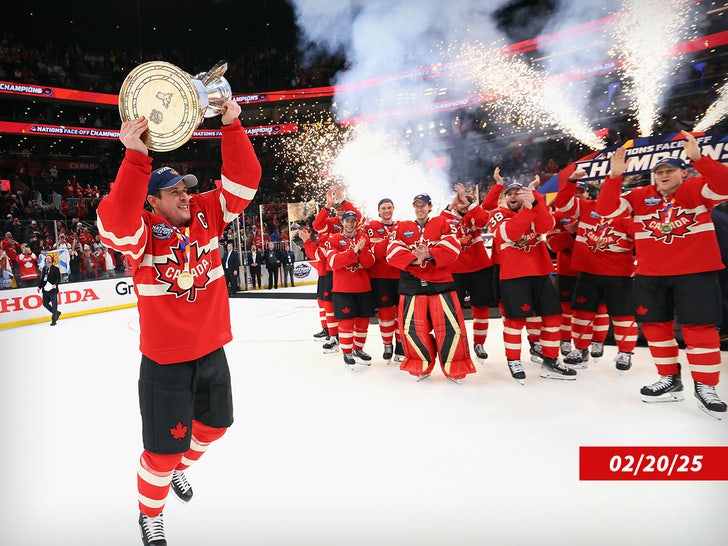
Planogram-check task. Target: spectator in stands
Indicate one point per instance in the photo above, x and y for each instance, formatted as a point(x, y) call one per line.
point(27, 264)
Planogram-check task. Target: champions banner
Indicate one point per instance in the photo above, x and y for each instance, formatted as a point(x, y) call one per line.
point(644, 152)
point(42, 129)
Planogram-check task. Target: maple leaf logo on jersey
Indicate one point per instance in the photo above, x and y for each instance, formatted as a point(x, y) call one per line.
point(346, 310)
point(679, 225)
point(596, 241)
point(178, 432)
point(168, 271)
point(385, 297)
point(525, 307)
point(641, 310)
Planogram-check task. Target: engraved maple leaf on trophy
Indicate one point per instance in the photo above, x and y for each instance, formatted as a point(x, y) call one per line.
point(165, 98)
point(679, 225)
point(200, 264)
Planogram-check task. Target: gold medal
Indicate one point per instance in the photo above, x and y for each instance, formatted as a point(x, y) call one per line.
point(185, 280)
point(666, 228)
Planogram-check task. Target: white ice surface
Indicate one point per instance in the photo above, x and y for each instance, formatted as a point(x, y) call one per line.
point(319, 455)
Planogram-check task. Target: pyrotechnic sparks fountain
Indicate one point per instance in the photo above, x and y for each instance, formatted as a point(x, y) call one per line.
point(645, 34)
point(715, 112)
point(525, 97)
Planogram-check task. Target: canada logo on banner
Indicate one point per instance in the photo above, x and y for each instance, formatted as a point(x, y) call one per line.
point(642, 154)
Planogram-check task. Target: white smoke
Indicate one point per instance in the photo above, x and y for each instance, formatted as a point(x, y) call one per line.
point(386, 37)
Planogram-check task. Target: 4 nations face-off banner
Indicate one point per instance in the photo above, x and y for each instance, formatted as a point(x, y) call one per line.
point(643, 153)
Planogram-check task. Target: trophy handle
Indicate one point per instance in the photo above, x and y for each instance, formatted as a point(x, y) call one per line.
point(215, 72)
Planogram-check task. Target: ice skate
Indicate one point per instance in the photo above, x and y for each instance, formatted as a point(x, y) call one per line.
point(456, 381)
point(536, 353)
point(669, 388)
point(349, 362)
point(388, 353)
point(360, 357)
point(479, 351)
point(623, 361)
point(422, 377)
point(565, 347)
point(152, 530)
point(597, 349)
point(180, 486)
point(552, 368)
point(323, 335)
point(331, 346)
point(516, 369)
point(398, 352)
point(577, 359)
point(709, 402)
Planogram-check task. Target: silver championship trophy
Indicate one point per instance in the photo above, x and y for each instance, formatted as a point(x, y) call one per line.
point(174, 102)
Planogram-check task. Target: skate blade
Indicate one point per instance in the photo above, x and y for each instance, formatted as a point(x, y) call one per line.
point(422, 377)
point(579, 366)
point(330, 351)
point(456, 381)
point(399, 359)
point(549, 375)
point(669, 397)
point(536, 359)
point(521, 381)
point(714, 414)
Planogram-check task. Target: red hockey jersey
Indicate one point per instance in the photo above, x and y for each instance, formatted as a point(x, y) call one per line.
point(473, 256)
point(438, 235)
point(519, 239)
point(603, 246)
point(179, 324)
point(379, 235)
point(673, 235)
point(349, 267)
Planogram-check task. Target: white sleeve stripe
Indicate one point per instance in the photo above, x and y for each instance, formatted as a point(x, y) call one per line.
point(130, 240)
point(710, 194)
point(238, 190)
point(226, 214)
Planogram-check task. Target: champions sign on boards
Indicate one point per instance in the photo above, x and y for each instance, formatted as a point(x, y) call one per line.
point(644, 152)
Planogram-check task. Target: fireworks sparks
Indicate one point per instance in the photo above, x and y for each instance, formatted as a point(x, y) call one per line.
point(310, 154)
point(645, 34)
point(375, 165)
point(523, 96)
point(715, 112)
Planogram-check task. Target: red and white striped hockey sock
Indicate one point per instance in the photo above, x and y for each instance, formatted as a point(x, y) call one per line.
point(512, 337)
point(387, 323)
point(625, 333)
point(550, 335)
point(601, 324)
point(663, 346)
point(566, 314)
point(202, 436)
point(346, 335)
point(331, 322)
point(361, 326)
point(533, 329)
point(154, 475)
point(322, 313)
point(702, 346)
point(480, 323)
point(581, 328)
